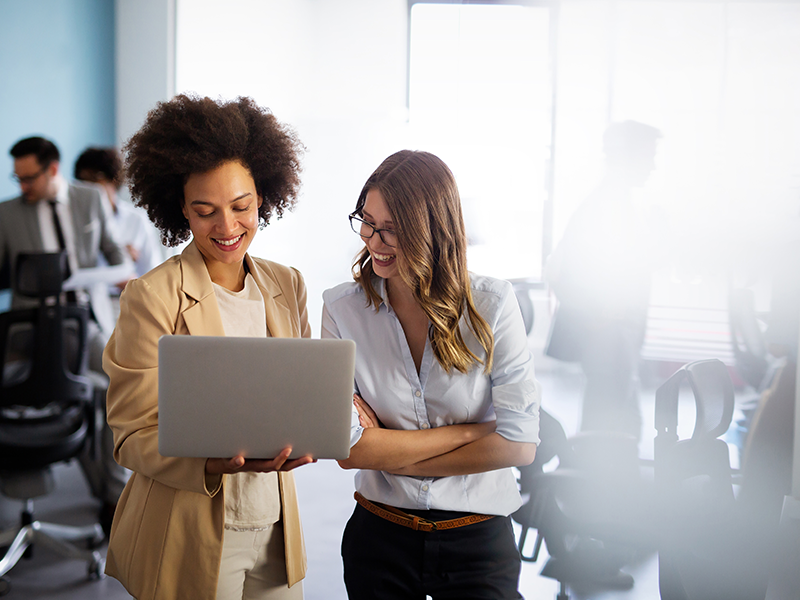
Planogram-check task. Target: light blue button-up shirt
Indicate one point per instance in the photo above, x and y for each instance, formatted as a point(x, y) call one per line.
point(387, 379)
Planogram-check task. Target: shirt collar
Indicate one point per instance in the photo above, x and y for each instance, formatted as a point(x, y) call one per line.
point(62, 190)
point(379, 283)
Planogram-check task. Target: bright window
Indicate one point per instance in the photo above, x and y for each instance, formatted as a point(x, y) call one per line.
point(479, 98)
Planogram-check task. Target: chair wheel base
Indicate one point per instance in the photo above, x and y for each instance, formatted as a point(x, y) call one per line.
point(562, 592)
point(92, 543)
point(5, 586)
point(97, 567)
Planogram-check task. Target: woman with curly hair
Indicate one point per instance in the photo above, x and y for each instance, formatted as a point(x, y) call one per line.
point(194, 527)
point(446, 397)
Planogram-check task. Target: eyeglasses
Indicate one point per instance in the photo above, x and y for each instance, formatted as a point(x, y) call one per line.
point(367, 230)
point(27, 179)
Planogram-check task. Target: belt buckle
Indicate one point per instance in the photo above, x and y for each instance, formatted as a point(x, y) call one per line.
point(418, 522)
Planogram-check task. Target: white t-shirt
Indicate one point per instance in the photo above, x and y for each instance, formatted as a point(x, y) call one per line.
point(252, 500)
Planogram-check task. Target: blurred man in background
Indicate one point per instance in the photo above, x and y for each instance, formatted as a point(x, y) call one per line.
point(600, 274)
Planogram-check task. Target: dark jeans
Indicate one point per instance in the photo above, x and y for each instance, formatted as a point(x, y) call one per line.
point(383, 560)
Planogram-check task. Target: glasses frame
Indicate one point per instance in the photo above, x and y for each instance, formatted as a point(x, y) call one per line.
point(28, 179)
point(356, 222)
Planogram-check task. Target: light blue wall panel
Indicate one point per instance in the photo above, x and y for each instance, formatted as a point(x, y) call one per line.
point(56, 77)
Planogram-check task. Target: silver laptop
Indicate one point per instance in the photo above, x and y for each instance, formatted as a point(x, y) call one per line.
point(224, 396)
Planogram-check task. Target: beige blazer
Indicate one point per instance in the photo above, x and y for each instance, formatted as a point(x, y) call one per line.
point(166, 539)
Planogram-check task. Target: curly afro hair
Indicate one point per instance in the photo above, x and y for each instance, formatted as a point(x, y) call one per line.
point(188, 135)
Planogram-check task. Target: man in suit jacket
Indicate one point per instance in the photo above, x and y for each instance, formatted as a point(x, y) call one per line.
point(27, 225)
point(600, 273)
point(51, 215)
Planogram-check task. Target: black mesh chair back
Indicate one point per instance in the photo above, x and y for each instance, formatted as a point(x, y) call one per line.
point(704, 552)
point(43, 400)
point(702, 456)
point(45, 349)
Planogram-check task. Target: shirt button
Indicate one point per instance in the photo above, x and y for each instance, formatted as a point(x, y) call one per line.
point(418, 393)
point(424, 488)
point(425, 425)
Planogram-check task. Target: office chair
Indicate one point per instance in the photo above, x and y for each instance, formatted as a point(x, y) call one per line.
point(710, 549)
point(591, 511)
point(522, 290)
point(48, 410)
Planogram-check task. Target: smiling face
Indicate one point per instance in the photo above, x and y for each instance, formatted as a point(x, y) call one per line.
point(384, 258)
point(221, 206)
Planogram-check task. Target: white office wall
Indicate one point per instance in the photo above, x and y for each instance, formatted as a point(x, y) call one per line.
point(145, 60)
point(334, 71)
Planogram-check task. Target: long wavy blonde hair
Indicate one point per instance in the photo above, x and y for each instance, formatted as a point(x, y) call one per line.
point(422, 197)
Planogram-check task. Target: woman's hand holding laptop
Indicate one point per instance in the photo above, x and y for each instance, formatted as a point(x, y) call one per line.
point(239, 464)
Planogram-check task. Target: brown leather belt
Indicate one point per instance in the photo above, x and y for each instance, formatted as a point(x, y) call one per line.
point(414, 522)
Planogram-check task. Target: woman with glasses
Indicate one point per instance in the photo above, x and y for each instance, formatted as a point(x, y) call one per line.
point(446, 401)
point(220, 527)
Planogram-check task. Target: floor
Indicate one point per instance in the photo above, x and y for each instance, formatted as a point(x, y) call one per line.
point(326, 500)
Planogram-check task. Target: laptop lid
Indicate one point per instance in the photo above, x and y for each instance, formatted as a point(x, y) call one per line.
point(223, 396)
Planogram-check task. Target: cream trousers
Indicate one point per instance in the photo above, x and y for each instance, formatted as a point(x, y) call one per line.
point(253, 566)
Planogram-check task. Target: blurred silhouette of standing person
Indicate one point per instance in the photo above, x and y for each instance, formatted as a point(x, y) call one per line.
point(600, 273)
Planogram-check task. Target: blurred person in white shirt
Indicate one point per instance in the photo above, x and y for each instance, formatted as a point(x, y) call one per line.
point(103, 166)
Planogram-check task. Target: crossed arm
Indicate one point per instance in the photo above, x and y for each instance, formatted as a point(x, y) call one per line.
point(439, 452)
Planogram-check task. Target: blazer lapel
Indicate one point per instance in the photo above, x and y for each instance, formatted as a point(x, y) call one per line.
point(30, 223)
point(202, 318)
point(82, 225)
point(279, 317)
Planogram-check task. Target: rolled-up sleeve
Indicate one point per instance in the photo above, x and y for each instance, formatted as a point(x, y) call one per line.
point(516, 395)
point(517, 408)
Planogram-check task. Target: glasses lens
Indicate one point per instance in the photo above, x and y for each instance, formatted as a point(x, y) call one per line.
point(28, 178)
point(362, 228)
point(367, 230)
point(389, 237)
